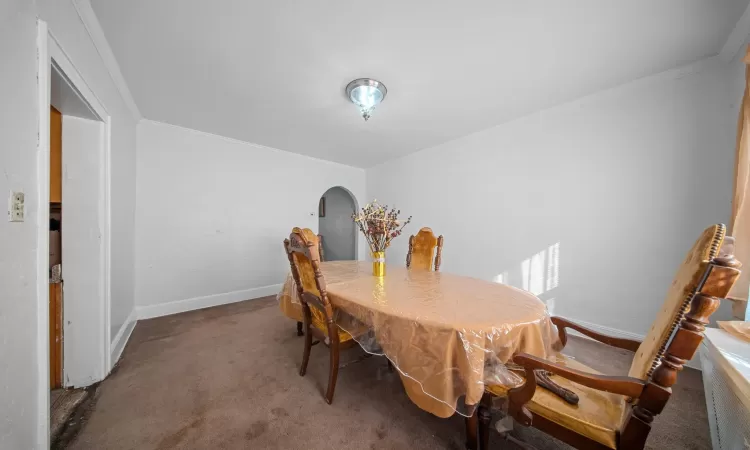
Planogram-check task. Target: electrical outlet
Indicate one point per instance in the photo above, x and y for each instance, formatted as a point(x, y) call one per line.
point(16, 207)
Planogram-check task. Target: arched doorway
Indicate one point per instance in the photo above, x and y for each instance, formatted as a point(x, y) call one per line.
point(335, 224)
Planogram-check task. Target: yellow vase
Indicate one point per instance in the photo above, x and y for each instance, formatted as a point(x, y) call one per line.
point(378, 264)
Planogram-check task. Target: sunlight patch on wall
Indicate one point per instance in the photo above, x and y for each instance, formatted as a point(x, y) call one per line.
point(553, 266)
point(539, 273)
point(550, 306)
point(501, 278)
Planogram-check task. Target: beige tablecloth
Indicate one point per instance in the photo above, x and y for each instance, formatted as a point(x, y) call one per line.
point(447, 334)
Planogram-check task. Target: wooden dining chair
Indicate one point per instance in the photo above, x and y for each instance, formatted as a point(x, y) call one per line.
point(317, 312)
point(300, 331)
point(616, 412)
point(422, 249)
point(320, 248)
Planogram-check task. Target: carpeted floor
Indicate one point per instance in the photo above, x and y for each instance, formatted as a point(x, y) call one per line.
point(226, 378)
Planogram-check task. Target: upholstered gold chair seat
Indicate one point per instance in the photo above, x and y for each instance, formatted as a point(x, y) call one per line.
point(319, 322)
point(597, 416)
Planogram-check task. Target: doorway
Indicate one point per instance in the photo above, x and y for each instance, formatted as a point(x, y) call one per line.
point(335, 225)
point(76, 133)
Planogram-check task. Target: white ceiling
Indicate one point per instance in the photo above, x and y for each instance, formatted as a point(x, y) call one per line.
point(274, 72)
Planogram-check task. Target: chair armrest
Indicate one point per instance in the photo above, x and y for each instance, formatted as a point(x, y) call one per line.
point(627, 386)
point(623, 343)
point(520, 396)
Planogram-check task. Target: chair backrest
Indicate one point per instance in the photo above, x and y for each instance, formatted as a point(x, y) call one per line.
point(304, 259)
point(705, 277)
point(685, 285)
point(320, 248)
point(422, 249)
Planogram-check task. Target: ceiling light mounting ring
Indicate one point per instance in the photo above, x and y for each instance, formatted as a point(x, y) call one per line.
point(366, 93)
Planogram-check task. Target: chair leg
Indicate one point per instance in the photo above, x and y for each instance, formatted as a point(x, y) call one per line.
point(308, 346)
point(299, 329)
point(471, 431)
point(334, 368)
point(485, 416)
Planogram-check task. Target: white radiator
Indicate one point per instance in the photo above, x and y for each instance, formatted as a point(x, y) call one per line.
point(726, 378)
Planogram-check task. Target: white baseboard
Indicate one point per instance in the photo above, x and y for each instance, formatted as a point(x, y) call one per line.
point(695, 363)
point(190, 304)
point(605, 330)
point(122, 337)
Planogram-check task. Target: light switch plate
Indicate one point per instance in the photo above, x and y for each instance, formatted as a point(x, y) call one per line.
point(16, 207)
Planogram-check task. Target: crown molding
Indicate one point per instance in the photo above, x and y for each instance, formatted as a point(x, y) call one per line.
point(737, 38)
point(95, 32)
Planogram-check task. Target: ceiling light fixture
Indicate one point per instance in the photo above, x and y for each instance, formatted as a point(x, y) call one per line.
point(366, 93)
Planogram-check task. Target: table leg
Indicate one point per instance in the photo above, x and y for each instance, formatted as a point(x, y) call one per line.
point(484, 411)
point(471, 431)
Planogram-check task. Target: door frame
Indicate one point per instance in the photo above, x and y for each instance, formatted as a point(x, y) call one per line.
point(49, 52)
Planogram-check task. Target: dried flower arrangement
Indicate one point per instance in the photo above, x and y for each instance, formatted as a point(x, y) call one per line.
point(379, 225)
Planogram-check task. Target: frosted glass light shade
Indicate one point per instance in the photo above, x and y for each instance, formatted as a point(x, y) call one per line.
point(366, 93)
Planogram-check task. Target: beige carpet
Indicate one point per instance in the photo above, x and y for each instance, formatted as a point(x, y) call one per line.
point(226, 378)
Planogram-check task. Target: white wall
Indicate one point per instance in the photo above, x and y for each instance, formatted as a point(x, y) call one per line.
point(20, 415)
point(24, 407)
point(337, 227)
point(622, 181)
point(213, 212)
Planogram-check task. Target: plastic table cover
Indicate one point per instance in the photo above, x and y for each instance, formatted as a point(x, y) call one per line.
point(447, 335)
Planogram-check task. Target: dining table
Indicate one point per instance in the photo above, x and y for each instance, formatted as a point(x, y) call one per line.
point(448, 335)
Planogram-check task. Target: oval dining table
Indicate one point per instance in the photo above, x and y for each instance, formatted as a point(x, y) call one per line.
point(448, 335)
